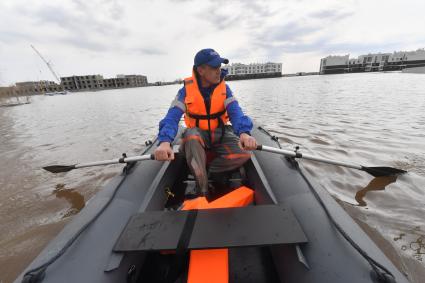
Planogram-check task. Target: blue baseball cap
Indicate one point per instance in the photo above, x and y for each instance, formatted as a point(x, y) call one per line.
point(210, 57)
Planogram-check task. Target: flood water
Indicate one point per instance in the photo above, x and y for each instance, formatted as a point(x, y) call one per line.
point(371, 119)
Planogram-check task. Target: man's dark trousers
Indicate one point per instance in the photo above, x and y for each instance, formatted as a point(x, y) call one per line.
point(227, 155)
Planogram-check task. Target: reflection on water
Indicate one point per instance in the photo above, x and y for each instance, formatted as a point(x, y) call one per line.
point(72, 196)
point(377, 184)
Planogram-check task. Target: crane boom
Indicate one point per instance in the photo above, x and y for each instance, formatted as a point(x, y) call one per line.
point(47, 63)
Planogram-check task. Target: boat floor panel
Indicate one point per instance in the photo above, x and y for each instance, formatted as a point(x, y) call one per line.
point(214, 228)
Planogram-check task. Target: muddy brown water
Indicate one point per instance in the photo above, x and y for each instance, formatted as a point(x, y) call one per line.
point(371, 119)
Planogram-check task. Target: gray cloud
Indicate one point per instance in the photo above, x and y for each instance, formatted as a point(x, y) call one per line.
point(250, 15)
point(84, 42)
point(117, 11)
point(218, 19)
point(289, 32)
point(149, 51)
point(239, 54)
point(81, 21)
point(261, 7)
point(307, 33)
point(14, 36)
point(114, 8)
point(79, 27)
point(54, 15)
point(273, 40)
point(332, 14)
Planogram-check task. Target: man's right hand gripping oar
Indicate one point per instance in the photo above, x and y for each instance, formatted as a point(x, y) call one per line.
point(164, 152)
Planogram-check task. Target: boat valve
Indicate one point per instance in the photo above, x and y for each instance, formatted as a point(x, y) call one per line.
point(169, 193)
point(297, 154)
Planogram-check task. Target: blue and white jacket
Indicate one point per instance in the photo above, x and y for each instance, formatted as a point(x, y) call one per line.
point(168, 126)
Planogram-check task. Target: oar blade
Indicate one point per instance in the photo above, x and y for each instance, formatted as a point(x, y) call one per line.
point(383, 171)
point(59, 168)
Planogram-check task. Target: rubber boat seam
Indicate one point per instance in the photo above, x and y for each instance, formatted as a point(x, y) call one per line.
point(30, 273)
point(373, 263)
point(274, 138)
point(263, 178)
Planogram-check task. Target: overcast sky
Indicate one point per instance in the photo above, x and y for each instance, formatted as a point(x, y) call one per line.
point(159, 38)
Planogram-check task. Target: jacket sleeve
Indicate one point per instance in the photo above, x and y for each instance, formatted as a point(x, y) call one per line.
point(169, 126)
point(240, 122)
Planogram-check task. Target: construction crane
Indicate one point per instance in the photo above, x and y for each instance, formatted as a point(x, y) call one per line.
point(47, 63)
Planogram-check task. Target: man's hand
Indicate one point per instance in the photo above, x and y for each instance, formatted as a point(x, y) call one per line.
point(247, 142)
point(164, 152)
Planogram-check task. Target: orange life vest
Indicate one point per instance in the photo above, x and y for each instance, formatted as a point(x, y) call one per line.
point(196, 113)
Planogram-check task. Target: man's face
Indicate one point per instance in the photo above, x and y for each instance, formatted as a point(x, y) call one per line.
point(210, 74)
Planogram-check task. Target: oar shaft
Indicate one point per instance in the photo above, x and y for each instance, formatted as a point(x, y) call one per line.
point(97, 163)
point(116, 161)
point(307, 156)
point(277, 150)
point(329, 161)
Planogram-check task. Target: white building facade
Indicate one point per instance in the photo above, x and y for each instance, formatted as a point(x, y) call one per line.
point(253, 68)
point(372, 62)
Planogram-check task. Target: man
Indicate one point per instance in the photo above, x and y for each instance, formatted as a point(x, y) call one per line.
point(208, 104)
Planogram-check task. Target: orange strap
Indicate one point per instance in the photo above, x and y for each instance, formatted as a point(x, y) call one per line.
point(213, 265)
point(194, 137)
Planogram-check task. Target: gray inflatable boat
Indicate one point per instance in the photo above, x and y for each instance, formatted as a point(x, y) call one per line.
point(134, 230)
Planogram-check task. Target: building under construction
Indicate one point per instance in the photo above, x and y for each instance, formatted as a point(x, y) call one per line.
point(97, 82)
point(30, 88)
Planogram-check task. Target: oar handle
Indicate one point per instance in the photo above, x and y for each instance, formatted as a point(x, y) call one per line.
point(297, 154)
point(279, 151)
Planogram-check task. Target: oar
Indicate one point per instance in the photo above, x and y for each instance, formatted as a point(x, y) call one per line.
point(374, 171)
point(66, 168)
